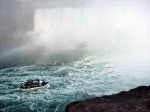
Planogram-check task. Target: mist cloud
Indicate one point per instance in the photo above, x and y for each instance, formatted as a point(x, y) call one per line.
point(114, 27)
point(118, 30)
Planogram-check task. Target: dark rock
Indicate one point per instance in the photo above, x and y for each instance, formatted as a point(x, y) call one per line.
point(134, 100)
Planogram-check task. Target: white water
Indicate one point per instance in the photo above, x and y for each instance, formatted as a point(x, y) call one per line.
point(92, 75)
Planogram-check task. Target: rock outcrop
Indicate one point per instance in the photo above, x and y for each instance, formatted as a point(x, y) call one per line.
point(134, 100)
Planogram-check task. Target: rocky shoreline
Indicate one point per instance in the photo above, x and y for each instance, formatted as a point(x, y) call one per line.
point(134, 100)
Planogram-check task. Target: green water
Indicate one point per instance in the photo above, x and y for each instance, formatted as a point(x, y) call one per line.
point(84, 78)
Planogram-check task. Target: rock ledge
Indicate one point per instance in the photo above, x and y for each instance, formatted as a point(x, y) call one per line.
point(134, 100)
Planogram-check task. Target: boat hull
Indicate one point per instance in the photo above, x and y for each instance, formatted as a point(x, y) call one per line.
point(35, 88)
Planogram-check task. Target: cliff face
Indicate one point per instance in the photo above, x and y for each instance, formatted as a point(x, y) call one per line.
point(134, 100)
point(14, 17)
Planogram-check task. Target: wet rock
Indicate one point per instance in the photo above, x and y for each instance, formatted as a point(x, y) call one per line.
point(134, 100)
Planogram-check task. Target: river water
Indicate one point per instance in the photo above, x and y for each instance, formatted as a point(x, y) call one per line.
point(87, 77)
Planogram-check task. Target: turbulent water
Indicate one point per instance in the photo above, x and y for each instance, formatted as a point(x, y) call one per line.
point(89, 76)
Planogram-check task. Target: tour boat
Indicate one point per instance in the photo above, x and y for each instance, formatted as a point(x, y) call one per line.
point(34, 84)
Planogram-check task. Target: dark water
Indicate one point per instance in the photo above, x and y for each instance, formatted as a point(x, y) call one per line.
point(89, 76)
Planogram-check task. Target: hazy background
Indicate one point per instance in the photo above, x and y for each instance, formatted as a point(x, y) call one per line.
point(31, 28)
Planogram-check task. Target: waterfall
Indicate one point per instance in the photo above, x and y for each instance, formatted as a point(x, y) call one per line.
point(56, 19)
